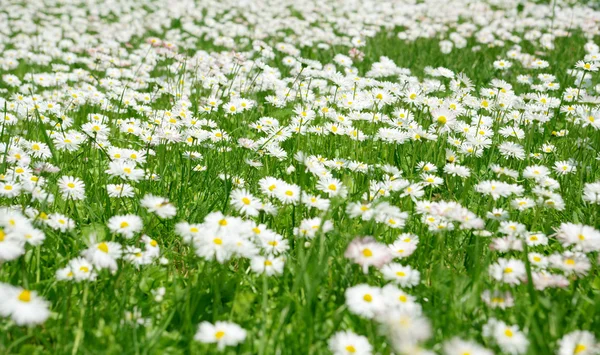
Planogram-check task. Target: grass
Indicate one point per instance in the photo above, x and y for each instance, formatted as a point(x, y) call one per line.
point(298, 311)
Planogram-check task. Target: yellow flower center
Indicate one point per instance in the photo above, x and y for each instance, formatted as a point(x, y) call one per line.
point(25, 296)
point(579, 349)
point(367, 252)
point(219, 334)
point(368, 298)
point(103, 247)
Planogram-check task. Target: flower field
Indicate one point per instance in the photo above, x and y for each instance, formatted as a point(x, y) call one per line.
point(300, 177)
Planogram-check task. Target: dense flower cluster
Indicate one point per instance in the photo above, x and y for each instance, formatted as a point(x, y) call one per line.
point(224, 173)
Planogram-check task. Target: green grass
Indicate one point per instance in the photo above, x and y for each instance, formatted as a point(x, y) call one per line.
point(298, 311)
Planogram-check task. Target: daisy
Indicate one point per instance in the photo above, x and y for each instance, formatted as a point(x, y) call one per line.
point(587, 66)
point(457, 170)
point(522, 204)
point(405, 276)
point(273, 243)
point(269, 265)
point(245, 203)
point(583, 237)
point(431, 180)
point(396, 298)
point(570, 262)
point(82, 269)
point(404, 246)
point(498, 214)
point(538, 260)
point(591, 192)
point(9, 189)
point(510, 271)
point(498, 299)
point(364, 300)
point(364, 210)
point(502, 64)
point(457, 346)
point(508, 337)
point(158, 205)
point(104, 255)
point(222, 333)
point(60, 222)
point(349, 343)
point(317, 202)
point(332, 187)
point(564, 168)
point(125, 170)
point(11, 246)
point(310, 227)
point(136, 256)
point(512, 150)
point(23, 306)
point(126, 225)
point(366, 252)
point(120, 190)
point(288, 193)
point(188, 231)
point(406, 325)
point(578, 342)
point(71, 188)
point(536, 238)
point(536, 172)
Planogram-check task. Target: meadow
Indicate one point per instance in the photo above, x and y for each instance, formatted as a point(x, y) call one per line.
point(300, 177)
